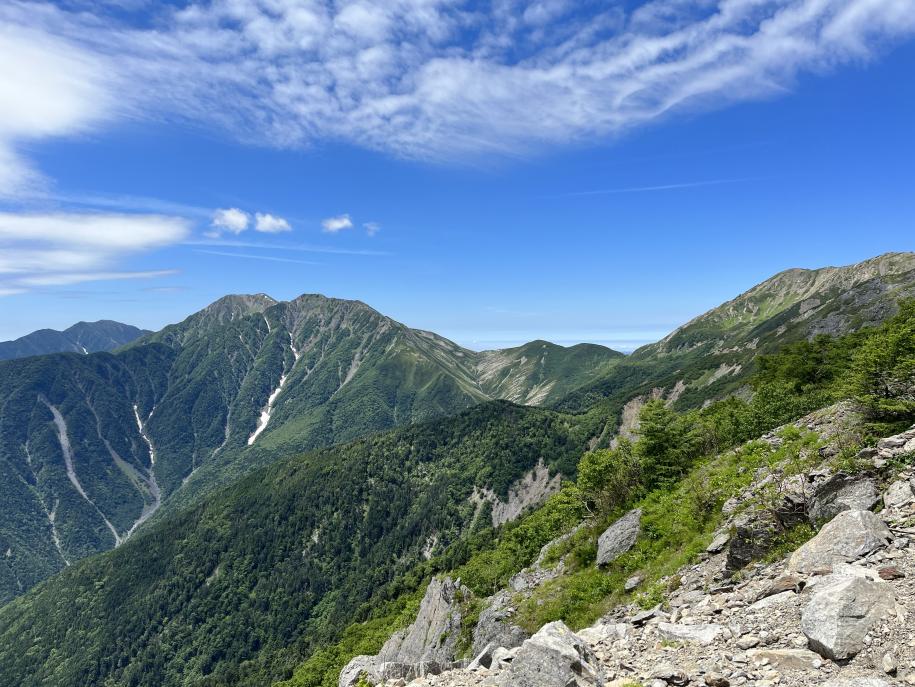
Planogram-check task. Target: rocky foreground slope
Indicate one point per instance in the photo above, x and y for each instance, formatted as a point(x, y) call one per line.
point(836, 611)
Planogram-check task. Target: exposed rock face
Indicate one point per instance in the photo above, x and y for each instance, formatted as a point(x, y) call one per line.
point(434, 634)
point(360, 667)
point(426, 646)
point(495, 624)
point(553, 656)
point(840, 493)
point(619, 537)
point(531, 490)
point(846, 538)
point(842, 611)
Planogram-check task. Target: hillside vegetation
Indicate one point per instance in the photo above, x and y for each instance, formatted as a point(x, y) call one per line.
point(93, 447)
point(321, 557)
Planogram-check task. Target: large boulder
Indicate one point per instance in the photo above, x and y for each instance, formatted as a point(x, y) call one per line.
point(553, 656)
point(619, 537)
point(846, 538)
point(842, 611)
point(840, 493)
point(360, 667)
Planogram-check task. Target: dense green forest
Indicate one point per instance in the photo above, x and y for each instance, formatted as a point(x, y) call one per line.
point(243, 586)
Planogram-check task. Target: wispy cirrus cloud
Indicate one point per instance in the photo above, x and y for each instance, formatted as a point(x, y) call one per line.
point(650, 189)
point(57, 249)
point(302, 248)
point(49, 87)
point(253, 256)
point(426, 79)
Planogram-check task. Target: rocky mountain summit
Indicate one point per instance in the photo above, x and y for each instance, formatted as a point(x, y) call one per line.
point(835, 611)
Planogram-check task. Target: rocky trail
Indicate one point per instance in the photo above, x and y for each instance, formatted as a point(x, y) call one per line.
point(838, 611)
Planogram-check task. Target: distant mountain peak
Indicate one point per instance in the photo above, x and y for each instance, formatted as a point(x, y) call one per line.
point(82, 337)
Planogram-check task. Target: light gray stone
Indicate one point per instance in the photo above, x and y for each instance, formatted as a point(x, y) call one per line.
point(604, 632)
point(785, 659)
point(553, 656)
point(633, 582)
point(495, 624)
point(898, 494)
point(428, 646)
point(719, 542)
point(840, 493)
point(434, 635)
point(846, 538)
point(841, 611)
point(858, 682)
point(703, 635)
point(619, 537)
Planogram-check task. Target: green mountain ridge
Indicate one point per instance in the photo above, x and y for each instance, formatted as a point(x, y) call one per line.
point(82, 337)
point(92, 445)
point(293, 570)
point(713, 355)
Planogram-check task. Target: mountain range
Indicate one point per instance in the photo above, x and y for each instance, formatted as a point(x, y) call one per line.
point(82, 337)
point(270, 472)
point(94, 445)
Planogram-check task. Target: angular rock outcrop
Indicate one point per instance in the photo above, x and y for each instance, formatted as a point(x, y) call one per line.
point(619, 537)
point(553, 656)
point(427, 646)
point(840, 493)
point(842, 610)
point(846, 538)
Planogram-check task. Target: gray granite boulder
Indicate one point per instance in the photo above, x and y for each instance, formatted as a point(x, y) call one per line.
point(553, 656)
point(840, 493)
point(846, 538)
point(842, 611)
point(619, 537)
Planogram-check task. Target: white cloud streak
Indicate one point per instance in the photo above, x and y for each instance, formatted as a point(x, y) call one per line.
point(649, 189)
point(48, 87)
point(252, 256)
point(332, 225)
point(55, 249)
point(432, 79)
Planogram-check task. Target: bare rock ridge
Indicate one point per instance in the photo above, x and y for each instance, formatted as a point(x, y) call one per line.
point(835, 612)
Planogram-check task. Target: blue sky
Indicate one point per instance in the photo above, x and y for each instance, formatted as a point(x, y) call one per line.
point(495, 172)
